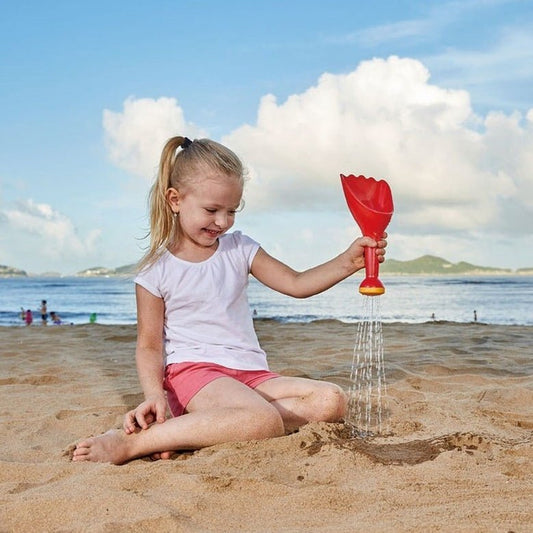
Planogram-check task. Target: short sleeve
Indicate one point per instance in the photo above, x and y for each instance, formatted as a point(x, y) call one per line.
point(149, 278)
point(248, 246)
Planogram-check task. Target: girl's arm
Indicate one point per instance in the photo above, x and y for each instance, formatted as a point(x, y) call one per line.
point(149, 358)
point(284, 279)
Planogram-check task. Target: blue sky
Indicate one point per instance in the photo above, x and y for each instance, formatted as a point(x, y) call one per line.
point(434, 97)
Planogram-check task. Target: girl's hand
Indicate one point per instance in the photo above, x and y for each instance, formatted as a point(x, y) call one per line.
point(380, 248)
point(153, 409)
point(356, 251)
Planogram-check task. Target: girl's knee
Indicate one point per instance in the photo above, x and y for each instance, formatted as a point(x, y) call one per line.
point(333, 403)
point(266, 423)
point(274, 425)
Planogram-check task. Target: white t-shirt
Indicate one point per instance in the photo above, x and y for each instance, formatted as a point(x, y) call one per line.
point(207, 315)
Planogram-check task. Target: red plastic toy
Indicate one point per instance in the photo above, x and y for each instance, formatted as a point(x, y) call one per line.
point(370, 203)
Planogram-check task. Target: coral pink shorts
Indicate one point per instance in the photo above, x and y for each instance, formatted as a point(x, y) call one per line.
point(184, 380)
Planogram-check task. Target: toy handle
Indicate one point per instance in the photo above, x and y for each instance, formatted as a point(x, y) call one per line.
point(371, 285)
point(371, 262)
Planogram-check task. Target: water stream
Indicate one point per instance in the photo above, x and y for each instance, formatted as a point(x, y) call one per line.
point(368, 391)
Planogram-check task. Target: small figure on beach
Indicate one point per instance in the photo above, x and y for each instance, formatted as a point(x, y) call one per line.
point(44, 313)
point(475, 315)
point(92, 318)
point(28, 317)
point(191, 286)
point(56, 319)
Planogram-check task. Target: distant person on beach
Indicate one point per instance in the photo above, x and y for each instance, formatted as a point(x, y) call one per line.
point(56, 319)
point(44, 313)
point(28, 317)
point(92, 318)
point(475, 315)
point(192, 287)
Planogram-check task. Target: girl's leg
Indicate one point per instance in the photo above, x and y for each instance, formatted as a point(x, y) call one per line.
point(224, 410)
point(301, 400)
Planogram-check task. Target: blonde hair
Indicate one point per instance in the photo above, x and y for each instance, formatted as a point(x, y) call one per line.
point(175, 170)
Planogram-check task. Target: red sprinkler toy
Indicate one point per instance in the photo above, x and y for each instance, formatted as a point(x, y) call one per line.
point(370, 203)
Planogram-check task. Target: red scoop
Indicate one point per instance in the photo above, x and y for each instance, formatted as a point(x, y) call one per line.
point(370, 203)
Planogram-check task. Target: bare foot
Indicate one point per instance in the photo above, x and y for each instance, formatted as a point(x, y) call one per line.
point(161, 455)
point(111, 447)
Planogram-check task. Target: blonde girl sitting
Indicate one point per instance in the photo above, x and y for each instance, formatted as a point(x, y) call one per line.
point(197, 350)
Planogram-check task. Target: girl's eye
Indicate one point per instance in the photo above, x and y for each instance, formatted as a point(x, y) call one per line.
point(210, 210)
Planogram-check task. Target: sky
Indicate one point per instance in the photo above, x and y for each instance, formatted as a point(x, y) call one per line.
point(434, 97)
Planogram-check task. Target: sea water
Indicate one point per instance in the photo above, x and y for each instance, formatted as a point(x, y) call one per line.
point(74, 299)
point(411, 299)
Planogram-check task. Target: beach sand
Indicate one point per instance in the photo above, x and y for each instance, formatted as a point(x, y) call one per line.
point(458, 455)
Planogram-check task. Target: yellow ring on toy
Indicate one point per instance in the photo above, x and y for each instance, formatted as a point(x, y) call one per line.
point(372, 291)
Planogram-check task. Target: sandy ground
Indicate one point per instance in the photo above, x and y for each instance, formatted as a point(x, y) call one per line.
point(456, 454)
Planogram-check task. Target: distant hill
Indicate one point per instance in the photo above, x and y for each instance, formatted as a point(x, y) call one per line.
point(425, 265)
point(126, 270)
point(430, 264)
point(10, 272)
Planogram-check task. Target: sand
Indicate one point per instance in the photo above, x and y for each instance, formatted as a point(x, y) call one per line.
point(457, 456)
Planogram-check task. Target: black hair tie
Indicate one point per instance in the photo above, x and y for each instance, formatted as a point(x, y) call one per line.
point(186, 143)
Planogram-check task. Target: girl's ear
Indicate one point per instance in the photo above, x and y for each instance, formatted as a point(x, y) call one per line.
point(173, 198)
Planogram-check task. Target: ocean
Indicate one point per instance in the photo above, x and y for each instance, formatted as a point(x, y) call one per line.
point(410, 299)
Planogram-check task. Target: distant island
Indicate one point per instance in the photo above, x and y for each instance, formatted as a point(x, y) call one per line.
point(432, 265)
point(426, 265)
point(10, 272)
point(126, 270)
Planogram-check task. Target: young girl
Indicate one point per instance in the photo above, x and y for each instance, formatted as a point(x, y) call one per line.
point(196, 338)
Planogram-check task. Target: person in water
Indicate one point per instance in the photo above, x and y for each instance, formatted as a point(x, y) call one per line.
point(192, 306)
point(56, 319)
point(44, 313)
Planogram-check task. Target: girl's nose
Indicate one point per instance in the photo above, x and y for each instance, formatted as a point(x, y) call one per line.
point(221, 220)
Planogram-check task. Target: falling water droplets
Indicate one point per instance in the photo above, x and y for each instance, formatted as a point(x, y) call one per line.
point(368, 392)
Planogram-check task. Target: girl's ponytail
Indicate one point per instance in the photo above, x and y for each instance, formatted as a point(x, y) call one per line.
point(162, 224)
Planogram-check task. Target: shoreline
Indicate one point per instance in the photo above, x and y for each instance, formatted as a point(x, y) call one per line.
point(286, 320)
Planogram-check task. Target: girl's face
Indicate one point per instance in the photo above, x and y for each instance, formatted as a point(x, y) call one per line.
point(206, 208)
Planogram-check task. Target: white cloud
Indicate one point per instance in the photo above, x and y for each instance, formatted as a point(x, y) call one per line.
point(449, 170)
point(136, 136)
point(30, 223)
point(458, 180)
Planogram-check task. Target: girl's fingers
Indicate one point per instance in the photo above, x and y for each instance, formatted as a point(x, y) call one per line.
point(129, 422)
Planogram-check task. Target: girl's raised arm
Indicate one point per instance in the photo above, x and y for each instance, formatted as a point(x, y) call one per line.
point(284, 279)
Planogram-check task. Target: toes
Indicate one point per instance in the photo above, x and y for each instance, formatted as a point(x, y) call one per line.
point(81, 452)
point(80, 457)
point(161, 455)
